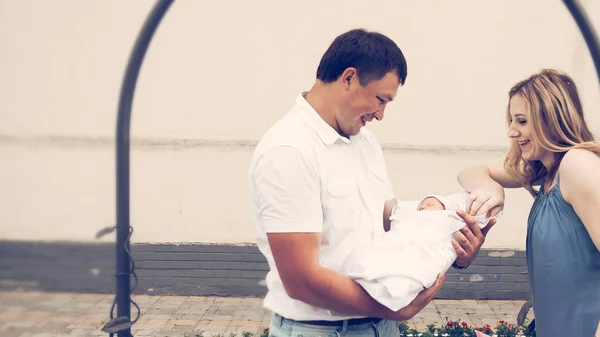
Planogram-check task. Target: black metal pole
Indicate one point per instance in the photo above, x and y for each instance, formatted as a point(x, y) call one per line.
point(123, 128)
point(589, 35)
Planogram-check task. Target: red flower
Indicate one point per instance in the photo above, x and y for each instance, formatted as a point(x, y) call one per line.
point(266, 330)
point(464, 324)
point(446, 317)
point(487, 326)
point(502, 322)
point(450, 323)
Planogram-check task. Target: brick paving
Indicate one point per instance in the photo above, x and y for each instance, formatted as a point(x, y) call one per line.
point(37, 314)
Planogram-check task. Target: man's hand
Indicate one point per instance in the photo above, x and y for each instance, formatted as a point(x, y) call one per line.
point(420, 301)
point(487, 200)
point(469, 239)
point(387, 212)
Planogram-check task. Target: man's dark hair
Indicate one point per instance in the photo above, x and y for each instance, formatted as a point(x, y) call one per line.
point(372, 54)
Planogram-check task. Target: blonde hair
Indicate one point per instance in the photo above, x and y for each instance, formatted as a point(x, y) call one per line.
point(556, 117)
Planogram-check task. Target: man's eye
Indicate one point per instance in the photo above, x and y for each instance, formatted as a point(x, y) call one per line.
point(381, 101)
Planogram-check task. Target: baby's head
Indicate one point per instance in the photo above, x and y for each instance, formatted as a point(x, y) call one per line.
point(431, 204)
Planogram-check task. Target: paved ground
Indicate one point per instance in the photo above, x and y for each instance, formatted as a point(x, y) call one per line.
point(34, 314)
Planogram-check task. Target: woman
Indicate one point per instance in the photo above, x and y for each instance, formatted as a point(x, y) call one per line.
point(553, 150)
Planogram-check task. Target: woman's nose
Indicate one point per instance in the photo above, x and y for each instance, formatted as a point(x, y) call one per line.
point(512, 133)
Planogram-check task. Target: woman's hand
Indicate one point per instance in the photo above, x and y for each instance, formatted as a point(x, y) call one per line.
point(487, 200)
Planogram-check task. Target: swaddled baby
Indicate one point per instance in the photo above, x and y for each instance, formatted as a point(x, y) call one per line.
point(395, 267)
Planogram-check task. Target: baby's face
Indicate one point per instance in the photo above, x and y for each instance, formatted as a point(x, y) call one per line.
point(431, 204)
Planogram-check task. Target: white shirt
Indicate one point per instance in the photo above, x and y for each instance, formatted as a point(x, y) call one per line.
point(305, 177)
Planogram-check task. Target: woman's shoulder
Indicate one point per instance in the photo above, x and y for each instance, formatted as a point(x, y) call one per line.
point(579, 170)
point(577, 161)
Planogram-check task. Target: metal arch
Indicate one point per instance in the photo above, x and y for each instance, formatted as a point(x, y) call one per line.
point(136, 58)
point(123, 131)
point(587, 30)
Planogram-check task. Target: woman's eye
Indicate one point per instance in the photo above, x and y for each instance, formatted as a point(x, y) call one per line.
point(522, 122)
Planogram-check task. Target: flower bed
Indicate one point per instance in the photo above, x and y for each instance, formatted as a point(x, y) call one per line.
point(449, 329)
point(463, 329)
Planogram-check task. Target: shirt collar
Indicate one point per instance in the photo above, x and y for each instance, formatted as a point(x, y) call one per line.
point(327, 134)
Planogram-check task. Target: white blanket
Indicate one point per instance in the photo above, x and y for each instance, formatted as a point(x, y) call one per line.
point(395, 267)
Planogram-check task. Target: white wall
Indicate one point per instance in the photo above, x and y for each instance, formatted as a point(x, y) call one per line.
point(218, 75)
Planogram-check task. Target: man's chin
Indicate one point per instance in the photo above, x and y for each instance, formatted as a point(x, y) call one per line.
point(350, 132)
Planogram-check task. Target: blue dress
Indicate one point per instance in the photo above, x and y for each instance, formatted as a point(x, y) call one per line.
point(564, 269)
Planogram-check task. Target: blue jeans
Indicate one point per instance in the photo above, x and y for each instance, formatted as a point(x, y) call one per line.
point(282, 327)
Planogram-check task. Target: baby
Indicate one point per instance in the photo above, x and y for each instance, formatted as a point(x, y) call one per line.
point(451, 202)
point(431, 204)
point(418, 246)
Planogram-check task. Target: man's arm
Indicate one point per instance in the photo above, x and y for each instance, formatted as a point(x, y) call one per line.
point(297, 259)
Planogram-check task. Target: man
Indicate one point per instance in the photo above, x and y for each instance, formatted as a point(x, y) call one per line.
point(319, 187)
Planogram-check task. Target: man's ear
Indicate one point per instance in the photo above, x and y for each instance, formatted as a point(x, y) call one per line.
point(348, 77)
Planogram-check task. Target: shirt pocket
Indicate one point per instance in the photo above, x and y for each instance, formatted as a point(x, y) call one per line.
point(342, 203)
point(380, 184)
